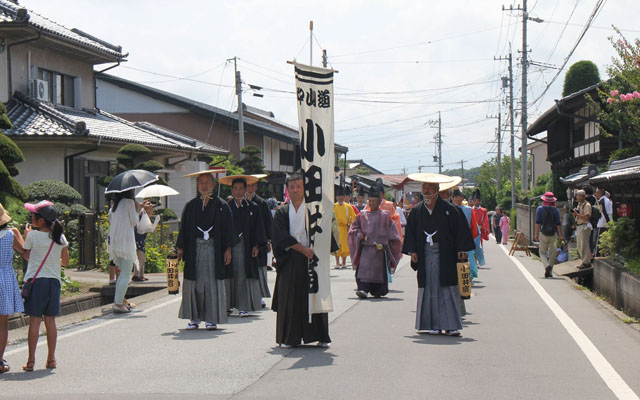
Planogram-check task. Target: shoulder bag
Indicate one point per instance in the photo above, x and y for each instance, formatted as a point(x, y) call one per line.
point(25, 292)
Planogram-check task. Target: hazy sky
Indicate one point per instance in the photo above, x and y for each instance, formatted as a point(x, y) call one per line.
point(399, 62)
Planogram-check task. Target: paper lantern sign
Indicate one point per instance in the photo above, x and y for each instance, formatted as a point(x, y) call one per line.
point(623, 210)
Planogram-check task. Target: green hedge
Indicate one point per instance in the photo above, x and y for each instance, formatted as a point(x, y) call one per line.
point(56, 191)
point(10, 153)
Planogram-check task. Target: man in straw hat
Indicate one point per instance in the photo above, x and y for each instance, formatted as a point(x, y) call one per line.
point(436, 236)
point(547, 231)
point(291, 294)
point(376, 248)
point(582, 215)
point(243, 281)
point(205, 240)
point(265, 249)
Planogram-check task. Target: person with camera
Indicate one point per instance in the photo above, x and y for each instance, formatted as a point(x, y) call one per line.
point(582, 215)
point(547, 231)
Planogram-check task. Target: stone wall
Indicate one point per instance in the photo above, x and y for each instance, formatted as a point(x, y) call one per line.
point(621, 287)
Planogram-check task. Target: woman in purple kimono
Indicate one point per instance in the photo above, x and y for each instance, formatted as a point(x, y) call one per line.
point(376, 247)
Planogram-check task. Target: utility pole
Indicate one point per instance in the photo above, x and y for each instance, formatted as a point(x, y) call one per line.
point(437, 158)
point(439, 144)
point(525, 65)
point(240, 107)
point(509, 58)
point(499, 142)
point(462, 174)
point(513, 146)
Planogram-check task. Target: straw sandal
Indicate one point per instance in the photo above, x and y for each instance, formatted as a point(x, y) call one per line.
point(28, 367)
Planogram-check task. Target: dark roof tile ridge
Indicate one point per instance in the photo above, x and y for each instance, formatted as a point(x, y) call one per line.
point(49, 111)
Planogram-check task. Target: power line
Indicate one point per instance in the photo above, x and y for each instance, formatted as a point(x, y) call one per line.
point(596, 10)
point(413, 44)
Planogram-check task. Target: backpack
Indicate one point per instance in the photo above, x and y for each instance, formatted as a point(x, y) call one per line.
point(548, 222)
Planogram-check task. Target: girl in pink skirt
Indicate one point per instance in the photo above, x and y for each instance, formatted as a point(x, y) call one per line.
point(505, 226)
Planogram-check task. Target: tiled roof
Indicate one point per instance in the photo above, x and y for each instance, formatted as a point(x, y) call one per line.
point(9, 15)
point(620, 170)
point(578, 177)
point(31, 117)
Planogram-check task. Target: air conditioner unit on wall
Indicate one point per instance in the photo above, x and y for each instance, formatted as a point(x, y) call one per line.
point(41, 89)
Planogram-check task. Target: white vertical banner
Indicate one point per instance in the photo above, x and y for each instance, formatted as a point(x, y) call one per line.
point(314, 94)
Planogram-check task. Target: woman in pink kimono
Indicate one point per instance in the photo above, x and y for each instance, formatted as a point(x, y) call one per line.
point(505, 226)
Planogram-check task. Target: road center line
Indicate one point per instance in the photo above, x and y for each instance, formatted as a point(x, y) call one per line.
point(606, 371)
point(24, 347)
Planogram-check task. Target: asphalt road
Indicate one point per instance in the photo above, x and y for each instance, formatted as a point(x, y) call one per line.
point(514, 346)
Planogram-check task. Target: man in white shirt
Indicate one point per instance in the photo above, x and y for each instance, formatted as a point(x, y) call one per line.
point(606, 208)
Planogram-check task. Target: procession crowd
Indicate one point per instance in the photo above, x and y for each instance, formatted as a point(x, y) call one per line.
point(227, 246)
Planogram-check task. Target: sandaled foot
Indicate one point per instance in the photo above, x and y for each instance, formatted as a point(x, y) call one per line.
point(4, 366)
point(51, 364)
point(28, 367)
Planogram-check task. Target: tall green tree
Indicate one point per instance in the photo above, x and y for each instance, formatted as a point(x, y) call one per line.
point(620, 98)
point(581, 74)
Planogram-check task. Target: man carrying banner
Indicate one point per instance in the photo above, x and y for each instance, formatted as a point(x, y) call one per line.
point(243, 282)
point(291, 294)
point(436, 236)
point(376, 249)
point(205, 239)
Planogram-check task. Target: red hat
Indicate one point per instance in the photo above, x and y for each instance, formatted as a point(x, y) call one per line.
point(548, 197)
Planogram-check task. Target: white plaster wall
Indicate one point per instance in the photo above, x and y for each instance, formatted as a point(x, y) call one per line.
point(52, 61)
point(41, 163)
point(185, 186)
point(115, 99)
point(541, 165)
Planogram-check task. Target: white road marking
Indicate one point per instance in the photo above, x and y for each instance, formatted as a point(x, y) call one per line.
point(93, 327)
point(606, 371)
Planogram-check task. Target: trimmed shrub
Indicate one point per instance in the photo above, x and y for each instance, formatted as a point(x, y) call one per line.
point(5, 123)
point(134, 150)
point(167, 214)
point(151, 165)
point(10, 153)
point(55, 191)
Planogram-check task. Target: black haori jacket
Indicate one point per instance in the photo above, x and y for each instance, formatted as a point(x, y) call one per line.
point(223, 236)
point(281, 239)
point(453, 233)
point(246, 220)
point(266, 218)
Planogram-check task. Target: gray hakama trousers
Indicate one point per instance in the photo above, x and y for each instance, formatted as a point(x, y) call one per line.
point(438, 306)
point(204, 298)
point(242, 293)
point(264, 285)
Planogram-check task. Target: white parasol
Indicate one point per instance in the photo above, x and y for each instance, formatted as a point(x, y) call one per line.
point(156, 191)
